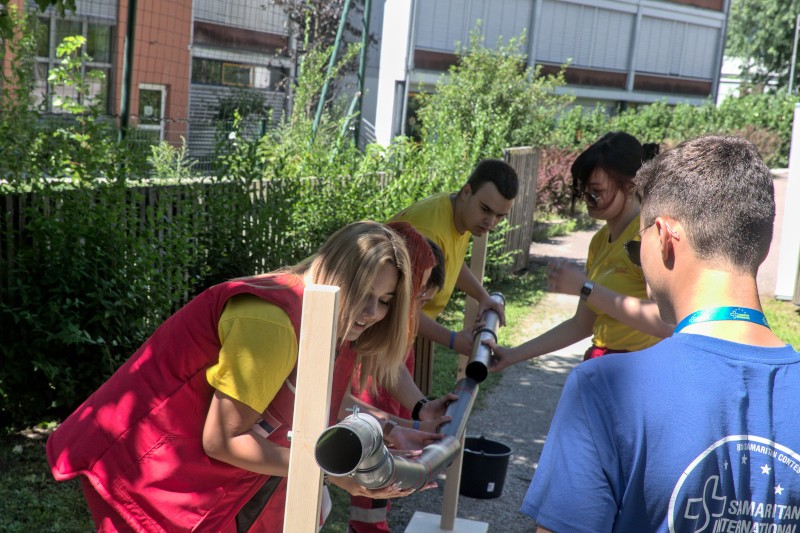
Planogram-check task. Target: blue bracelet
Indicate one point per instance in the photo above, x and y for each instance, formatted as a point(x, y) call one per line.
point(452, 340)
point(415, 425)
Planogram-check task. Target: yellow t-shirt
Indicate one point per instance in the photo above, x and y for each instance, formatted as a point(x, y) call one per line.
point(259, 350)
point(433, 218)
point(608, 265)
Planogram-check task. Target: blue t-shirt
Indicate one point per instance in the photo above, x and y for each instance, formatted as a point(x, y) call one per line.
point(693, 434)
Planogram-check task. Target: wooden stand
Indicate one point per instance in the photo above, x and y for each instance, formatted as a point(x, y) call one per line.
point(425, 522)
point(311, 406)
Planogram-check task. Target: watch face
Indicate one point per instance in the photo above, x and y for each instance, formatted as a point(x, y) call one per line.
point(586, 290)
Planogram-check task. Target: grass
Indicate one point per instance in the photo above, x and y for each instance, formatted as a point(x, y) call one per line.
point(30, 500)
point(784, 319)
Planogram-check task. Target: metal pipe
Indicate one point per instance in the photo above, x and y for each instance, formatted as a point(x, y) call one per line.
point(794, 53)
point(127, 71)
point(481, 357)
point(341, 448)
point(459, 410)
point(355, 447)
point(329, 72)
point(362, 65)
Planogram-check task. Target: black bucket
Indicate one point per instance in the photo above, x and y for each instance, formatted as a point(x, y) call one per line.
point(483, 471)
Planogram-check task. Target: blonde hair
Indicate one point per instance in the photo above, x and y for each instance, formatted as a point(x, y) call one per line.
point(351, 259)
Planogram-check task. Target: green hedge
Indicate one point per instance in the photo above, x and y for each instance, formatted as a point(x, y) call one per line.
point(764, 119)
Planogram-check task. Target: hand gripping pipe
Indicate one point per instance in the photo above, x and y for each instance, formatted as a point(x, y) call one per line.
point(481, 357)
point(354, 446)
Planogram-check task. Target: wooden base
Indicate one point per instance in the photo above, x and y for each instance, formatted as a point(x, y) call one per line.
point(430, 523)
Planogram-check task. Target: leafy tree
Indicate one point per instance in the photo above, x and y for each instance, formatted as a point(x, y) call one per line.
point(761, 33)
point(7, 22)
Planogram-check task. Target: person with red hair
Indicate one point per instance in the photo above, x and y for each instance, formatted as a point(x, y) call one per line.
point(398, 402)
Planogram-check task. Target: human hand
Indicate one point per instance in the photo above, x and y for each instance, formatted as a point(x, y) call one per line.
point(432, 413)
point(349, 484)
point(487, 303)
point(407, 439)
point(463, 342)
point(502, 357)
point(565, 278)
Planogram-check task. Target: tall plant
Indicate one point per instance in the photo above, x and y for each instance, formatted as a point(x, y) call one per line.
point(490, 100)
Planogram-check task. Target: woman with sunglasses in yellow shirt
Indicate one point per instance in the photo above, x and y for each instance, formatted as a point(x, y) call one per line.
point(614, 307)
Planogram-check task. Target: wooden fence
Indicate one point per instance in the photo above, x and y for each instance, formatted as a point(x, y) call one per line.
point(525, 160)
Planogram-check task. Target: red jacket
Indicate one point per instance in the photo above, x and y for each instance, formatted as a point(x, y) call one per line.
point(138, 438)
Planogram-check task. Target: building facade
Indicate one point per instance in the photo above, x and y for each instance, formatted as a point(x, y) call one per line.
point(192, 62)
point(618, 52)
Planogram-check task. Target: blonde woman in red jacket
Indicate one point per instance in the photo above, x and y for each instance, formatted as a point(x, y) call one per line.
point(191, 432)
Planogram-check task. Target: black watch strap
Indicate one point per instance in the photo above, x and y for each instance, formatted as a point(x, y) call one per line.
point(418, 408)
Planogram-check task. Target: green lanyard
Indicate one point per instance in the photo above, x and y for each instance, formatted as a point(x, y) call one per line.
point(723, 313)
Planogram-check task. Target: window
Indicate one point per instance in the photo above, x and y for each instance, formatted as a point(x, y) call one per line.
point(236, 74)
point(215, 72)
point(50, 32)
point(152, 99)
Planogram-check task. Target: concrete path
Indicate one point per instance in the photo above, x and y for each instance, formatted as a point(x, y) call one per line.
point(519, 410)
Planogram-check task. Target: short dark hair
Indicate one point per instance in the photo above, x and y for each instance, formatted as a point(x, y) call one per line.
point(437, 272)
point(721, 191)
point(498, 172)
point(618, 154)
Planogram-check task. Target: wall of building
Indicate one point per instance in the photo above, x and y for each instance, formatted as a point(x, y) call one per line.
point(623, 50)
point(163, 35)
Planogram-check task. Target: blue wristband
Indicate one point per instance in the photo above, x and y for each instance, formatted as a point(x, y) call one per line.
point(415, 425)
point(452, 340)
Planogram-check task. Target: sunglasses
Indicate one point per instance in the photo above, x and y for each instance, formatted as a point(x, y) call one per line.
point(634, 248)
point(634, 251)
point(591, 199)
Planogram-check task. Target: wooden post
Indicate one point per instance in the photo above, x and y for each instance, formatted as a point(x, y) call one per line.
point(477, 266)
point(453, 477)
point(311, 406)
point(448, 521)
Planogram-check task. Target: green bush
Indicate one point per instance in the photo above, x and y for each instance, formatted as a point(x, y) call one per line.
point(764, 119)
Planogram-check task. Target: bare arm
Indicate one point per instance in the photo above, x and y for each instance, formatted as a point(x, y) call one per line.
point(568, 332)
point(636, 313)
point(430, 329)
point(472, 286)
point(228, 437)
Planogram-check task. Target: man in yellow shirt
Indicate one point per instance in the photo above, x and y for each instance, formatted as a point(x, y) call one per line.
point(449, 220)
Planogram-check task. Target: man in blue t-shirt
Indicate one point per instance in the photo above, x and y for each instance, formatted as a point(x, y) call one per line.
point(700, 432)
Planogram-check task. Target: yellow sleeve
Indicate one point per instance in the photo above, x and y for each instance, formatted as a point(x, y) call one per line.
point(258, 352)
point(433, 218)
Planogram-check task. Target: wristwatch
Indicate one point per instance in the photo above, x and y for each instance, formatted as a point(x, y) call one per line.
point(417, 408)
point(586, 290)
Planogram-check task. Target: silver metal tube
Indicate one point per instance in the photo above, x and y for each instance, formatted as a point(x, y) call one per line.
point(459, 410)
point(355, 446)
point(481, 357)
point(351, 441)
point(343, 447)
point(410, 472)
